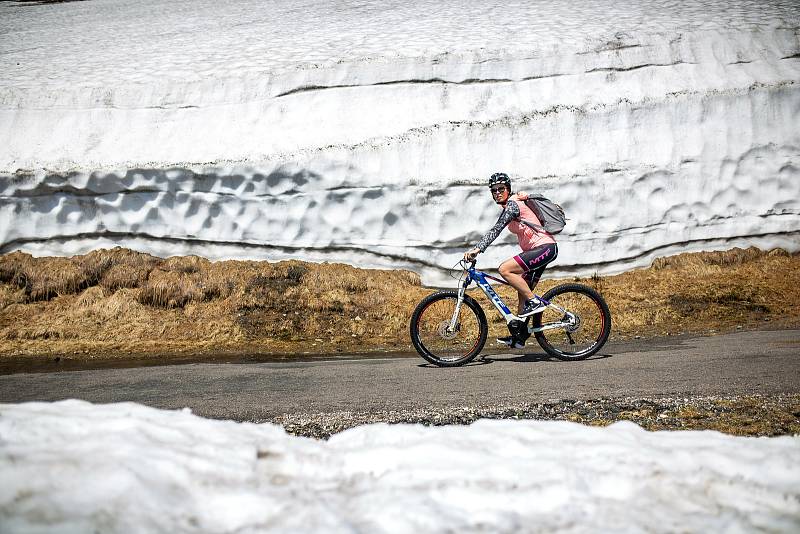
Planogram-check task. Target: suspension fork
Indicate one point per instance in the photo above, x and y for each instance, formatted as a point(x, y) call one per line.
point(459, 301)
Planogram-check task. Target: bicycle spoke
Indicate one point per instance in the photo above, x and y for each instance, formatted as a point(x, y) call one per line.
point(586, 324)
point(436, 336)
point(436, 340)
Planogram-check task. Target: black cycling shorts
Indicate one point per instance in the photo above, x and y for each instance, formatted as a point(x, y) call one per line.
point(534, 262)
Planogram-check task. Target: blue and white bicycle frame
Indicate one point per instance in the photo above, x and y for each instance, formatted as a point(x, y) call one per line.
point(569, 320)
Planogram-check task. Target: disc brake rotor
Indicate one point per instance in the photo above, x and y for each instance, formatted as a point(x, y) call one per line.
point(574, 322)
point(445, 332)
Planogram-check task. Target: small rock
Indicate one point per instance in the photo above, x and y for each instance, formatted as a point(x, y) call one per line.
point(357, 318)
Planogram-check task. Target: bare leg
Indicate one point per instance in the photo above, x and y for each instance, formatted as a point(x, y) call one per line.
point(522, 300)
point(532, 281)
point(511, 271)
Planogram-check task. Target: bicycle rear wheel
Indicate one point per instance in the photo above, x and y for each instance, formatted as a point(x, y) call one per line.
point(432, 336)
point(588, 322)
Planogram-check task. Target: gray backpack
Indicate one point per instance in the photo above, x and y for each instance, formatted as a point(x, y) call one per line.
point(549, 213)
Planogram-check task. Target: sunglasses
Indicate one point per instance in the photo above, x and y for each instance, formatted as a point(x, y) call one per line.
point(496, 190)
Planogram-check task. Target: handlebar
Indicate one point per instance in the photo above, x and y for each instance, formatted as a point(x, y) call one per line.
point(465, 263)
point(465, 266)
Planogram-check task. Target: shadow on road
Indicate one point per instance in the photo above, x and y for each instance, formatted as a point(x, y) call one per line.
point(473, 363)
point(537, 357)
point(486, 359)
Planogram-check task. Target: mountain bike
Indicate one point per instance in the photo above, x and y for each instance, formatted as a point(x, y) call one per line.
point(449, 328)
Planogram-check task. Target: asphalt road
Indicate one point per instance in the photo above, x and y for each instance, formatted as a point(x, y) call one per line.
point(763, 362)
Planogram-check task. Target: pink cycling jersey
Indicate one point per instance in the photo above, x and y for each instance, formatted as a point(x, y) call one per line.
point(529, 238)
point(513, 214)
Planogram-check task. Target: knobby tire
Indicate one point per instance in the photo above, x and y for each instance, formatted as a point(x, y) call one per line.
point(594, 329)
point(448, 349)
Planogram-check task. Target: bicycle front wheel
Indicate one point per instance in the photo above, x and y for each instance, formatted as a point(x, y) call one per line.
point(436, 341)
point(584, 328)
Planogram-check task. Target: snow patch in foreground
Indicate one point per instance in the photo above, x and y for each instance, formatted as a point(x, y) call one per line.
point(72, 466)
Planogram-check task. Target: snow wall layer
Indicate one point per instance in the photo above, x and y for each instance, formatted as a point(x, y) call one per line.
point(682, 136)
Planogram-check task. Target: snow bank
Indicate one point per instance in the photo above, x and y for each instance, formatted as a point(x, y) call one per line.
point(75, 467)
point(364, 131)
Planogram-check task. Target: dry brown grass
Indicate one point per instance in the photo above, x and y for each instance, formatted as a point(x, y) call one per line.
point(707, 291)
point(117, 302)
point(696, 293)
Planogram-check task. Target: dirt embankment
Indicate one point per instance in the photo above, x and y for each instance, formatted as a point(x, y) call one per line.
point(121, 303)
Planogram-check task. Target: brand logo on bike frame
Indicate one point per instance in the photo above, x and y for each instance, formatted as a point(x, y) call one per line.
point(494, 297)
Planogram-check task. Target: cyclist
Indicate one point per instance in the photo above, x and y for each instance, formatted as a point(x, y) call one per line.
point(539, 248)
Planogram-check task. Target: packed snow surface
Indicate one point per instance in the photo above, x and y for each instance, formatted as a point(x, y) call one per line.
point(363, 131)
point(72, 466)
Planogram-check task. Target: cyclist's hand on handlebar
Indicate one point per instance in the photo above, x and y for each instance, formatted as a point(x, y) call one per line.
point(471, 254)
